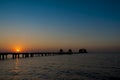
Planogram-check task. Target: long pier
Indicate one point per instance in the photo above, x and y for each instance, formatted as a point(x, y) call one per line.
point(4, 55)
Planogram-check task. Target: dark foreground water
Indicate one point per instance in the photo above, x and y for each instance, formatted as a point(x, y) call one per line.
point(91, 66)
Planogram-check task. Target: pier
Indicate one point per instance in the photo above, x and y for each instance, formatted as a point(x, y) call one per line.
point(4, 55)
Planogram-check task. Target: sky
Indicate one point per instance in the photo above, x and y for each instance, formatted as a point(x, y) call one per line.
point(48, 25)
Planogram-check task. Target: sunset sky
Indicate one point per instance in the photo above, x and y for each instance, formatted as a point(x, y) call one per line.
point(49, 25)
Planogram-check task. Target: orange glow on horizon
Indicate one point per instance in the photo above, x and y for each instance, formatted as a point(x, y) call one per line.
point(17, 50)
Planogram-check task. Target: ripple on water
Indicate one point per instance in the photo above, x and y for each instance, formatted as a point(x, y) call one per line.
point(61, 68)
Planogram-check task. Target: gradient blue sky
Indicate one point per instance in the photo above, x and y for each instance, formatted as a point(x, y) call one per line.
point(54, 24)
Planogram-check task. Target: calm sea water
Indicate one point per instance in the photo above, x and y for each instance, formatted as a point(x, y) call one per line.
point(91, 66)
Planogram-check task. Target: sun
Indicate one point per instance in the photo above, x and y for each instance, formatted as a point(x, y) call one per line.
point(17, 50)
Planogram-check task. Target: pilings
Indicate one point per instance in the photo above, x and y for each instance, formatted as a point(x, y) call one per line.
point(15, 55)
point(4, 56)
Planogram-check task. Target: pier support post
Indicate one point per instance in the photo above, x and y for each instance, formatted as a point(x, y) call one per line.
point(26, 55)
point(3, 57)
point(22, 55)
point(0, 56)
point(15, 56)
point(31, 55)
point(45, 54)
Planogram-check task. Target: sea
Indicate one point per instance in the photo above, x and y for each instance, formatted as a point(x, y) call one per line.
point(89, 66)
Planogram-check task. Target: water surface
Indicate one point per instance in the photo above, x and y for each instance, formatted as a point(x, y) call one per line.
point(91, 66)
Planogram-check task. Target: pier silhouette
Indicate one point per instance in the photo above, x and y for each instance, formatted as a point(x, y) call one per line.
point(4, 55)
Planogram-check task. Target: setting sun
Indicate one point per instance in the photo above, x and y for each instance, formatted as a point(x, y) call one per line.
point(18, 50)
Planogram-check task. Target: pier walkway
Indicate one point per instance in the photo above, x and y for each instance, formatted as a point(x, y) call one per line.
point(4, 56)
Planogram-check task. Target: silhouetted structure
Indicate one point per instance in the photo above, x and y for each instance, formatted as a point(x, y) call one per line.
point(61, 50)
point(4, 55)
point(70, 51)
point(82, 50)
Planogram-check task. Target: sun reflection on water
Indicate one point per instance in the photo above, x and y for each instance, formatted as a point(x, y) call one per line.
point(16, 70)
